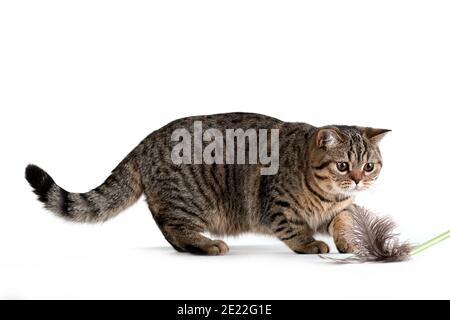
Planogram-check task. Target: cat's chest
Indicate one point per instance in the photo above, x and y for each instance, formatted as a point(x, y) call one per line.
point(318, 215)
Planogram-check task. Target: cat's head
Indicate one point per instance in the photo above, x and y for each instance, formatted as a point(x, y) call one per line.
point(346, 159)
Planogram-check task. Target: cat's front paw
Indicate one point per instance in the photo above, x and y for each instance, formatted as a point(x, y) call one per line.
point(216, 248)
point(314, 247)
point(343, 246)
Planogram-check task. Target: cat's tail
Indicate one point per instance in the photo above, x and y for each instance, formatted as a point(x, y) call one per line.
point(120, 190)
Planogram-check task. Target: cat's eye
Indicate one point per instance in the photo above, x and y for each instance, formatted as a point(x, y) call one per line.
point(369, 167)
point(342, 166)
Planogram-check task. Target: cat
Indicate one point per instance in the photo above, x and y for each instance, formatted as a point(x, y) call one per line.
point(321, 169)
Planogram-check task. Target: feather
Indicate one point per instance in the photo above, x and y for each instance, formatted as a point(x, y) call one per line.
point(373, 239)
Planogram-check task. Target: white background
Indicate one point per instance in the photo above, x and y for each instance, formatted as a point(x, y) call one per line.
point(82, 82)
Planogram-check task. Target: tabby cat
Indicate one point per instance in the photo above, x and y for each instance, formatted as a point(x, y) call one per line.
point(320, 171)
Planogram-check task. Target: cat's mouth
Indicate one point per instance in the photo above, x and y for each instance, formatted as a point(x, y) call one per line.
point(352, 189)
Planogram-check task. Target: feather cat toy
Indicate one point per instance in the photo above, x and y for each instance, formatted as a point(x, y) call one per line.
point(373, 240)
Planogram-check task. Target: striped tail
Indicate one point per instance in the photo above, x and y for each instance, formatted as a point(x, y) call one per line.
point(122, 188)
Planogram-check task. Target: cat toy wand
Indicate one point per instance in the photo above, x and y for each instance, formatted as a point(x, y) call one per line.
point(374, 240)
point(430, 243)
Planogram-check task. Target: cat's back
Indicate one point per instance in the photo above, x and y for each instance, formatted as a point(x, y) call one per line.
point(223, 121)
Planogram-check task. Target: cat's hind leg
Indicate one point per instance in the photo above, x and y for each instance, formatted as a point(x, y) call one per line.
point(183, 231)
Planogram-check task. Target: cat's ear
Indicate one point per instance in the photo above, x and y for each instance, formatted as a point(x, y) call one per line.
point(375, 135)
point(328, 137)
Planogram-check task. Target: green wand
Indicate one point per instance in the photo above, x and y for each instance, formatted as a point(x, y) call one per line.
point(430, 243)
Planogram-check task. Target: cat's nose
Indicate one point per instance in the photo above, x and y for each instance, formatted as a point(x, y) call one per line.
point(356, 176)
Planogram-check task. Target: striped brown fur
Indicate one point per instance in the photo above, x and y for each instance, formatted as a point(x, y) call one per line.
point(307, 195)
